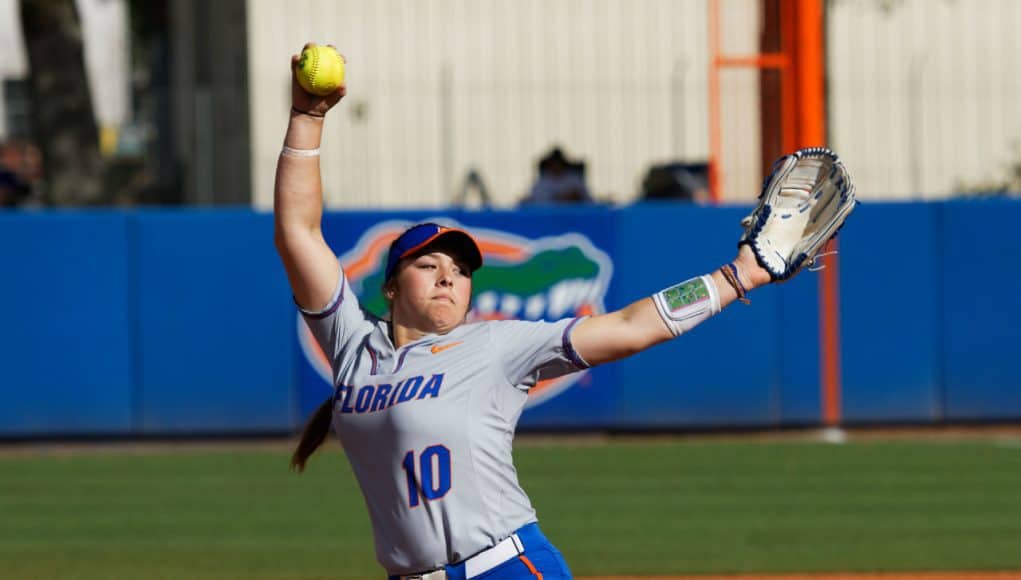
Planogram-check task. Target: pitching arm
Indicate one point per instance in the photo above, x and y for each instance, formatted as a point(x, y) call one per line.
point(311, 265)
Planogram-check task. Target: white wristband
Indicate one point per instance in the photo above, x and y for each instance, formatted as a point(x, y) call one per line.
point(292, 152)
point(688, 304)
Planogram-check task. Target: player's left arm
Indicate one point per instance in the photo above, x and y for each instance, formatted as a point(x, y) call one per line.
point(804, 202)
point(638, 326)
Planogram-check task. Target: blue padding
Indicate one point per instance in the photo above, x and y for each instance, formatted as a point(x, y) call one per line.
point(982, 313)
point(797, 346)
point(180, 322)
point(724, 373)
point(216, 326)
point(889, 273)
point(65, 353)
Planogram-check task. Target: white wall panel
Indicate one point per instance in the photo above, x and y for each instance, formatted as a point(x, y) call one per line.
point(449, 85)
point(740, 108)
point(923, 94)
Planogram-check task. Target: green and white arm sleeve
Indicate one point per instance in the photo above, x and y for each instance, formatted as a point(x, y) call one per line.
point(686, 305)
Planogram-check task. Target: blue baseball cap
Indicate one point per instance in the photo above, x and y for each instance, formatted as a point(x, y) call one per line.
point(419, 236)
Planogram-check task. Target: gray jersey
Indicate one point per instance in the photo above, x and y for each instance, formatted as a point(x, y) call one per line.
point(428, 427)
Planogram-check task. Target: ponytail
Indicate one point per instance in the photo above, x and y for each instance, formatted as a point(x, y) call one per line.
point(316, 430)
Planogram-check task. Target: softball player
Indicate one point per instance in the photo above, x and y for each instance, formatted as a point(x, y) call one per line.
point(426, 405)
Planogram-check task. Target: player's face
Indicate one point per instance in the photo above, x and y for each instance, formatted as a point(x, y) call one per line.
point(433, 292)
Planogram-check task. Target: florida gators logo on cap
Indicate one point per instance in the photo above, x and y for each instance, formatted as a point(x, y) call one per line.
point(546, 278)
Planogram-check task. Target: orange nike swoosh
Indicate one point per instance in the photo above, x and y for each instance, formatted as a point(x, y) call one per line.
point(440, 348)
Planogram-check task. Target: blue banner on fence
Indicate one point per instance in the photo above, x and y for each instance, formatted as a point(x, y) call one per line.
point(177, 322)
point(66, 365)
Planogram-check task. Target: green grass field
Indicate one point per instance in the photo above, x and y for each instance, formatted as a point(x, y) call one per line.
point(641, 507)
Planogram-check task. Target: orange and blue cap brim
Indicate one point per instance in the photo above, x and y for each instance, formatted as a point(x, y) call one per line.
point(418, 237)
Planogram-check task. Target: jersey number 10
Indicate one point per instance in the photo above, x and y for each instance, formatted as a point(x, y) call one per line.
point(434, 469)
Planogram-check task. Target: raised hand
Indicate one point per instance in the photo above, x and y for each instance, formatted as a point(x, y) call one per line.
point(304, 102)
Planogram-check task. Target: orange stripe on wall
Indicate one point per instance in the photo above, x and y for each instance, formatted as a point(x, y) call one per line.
point(369, 258)
point(505, 251)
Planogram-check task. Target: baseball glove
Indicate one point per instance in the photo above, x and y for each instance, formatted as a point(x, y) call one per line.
point(803, 204)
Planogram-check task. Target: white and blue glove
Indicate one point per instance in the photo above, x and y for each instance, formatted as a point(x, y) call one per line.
point(803, 204)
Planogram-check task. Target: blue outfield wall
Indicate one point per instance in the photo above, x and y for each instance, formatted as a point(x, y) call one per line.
point(890, 319)
point(181, 322)
point(981, 314)
point(66, 361)
point(715, 375)
point(214, 344)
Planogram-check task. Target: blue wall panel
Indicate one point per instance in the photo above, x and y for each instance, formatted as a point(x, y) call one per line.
point(982, 313)
point(890, 324)
point(215, 324)
point(716, 375)
point(798, 397)
point(175, 322)
point(65, 353)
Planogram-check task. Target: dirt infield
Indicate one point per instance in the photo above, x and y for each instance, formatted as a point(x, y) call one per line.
point(1015, 575)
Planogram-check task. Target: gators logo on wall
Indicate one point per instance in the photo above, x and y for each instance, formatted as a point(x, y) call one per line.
point(546, 278)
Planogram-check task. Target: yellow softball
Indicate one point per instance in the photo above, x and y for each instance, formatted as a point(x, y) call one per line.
point(320, 70)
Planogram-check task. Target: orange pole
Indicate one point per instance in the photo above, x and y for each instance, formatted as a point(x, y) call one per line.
point(809, 81)
point(829, 331)
point(769, 60)
point(715, 146)
point(811, 73)
point(803, 123)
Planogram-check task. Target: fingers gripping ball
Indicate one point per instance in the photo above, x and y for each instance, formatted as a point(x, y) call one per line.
point(320, 70)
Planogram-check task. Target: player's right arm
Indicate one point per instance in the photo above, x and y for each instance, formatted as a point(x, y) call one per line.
point(311, 265)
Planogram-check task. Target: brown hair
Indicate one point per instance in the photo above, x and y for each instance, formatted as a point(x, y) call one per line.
point(316, 430)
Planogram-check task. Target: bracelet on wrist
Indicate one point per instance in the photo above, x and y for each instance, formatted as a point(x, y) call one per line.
point(298, 111)
point(729, 272)
point(292, 152)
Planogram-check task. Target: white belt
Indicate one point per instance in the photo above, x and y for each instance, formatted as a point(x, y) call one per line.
point(480, 563)
point(440, 574)
point(493, 557)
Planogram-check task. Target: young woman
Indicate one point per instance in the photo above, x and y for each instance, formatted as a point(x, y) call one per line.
point(426, 405)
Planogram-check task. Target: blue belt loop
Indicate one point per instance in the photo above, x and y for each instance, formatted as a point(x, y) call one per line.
point(455, 571)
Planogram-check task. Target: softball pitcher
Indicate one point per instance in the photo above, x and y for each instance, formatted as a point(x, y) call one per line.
point(426, 405)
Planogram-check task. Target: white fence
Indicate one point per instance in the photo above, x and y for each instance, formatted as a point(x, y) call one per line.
point(922, 94)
